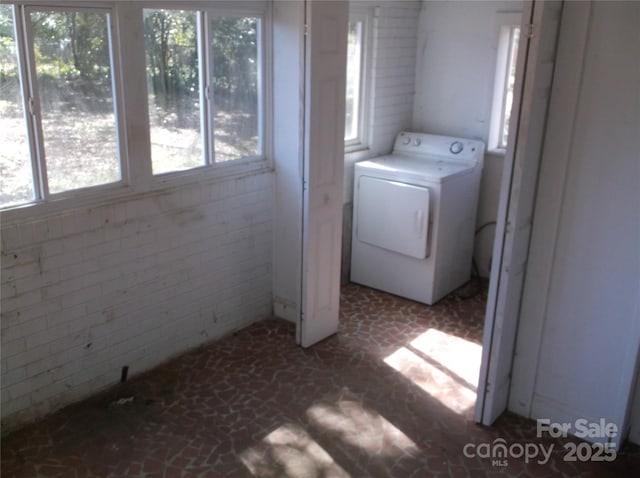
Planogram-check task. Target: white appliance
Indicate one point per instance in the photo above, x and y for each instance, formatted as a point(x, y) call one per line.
point(414, 216)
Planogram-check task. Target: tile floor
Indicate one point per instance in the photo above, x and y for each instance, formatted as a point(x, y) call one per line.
point(391, 395)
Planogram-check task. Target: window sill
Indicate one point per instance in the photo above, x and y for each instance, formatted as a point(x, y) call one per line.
point(114, 194)
point(210, 173)
point(353, 154)
point(497, 151)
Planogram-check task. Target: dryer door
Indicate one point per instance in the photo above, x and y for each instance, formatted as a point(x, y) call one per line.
point(393, 215)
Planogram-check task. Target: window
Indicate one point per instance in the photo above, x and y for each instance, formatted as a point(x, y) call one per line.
point(355, 103)
point(204, 82)
point(16, 178)
point(504, 85)
point(173, 85)
point(56, 102)
point(62, 108)
point(354, 70)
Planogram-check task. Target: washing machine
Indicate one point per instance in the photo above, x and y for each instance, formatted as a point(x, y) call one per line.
point(414, 216)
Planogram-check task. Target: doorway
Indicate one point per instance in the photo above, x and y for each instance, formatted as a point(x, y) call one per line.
point(456, 46)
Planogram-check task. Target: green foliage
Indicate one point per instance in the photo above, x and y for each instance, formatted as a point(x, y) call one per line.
point(6, 21)
point(8, 64)
point(234, 58)
point(171, 43)
point(72, 48)
point(172, 56)
point(70, 44)
point(9, 80)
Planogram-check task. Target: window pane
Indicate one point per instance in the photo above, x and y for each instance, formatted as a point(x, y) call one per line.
point(235, 87)
point(72, 55)
point(16, 180)
point(509, 84)
point(173, 79)
point(354, 67)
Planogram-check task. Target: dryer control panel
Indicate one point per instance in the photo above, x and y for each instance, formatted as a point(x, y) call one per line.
point(446, 147)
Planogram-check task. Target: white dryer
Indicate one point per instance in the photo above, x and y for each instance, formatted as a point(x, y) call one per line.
point(414, 215)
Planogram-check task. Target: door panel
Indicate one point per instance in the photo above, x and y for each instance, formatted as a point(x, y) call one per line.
point(578, 347)
point(325, 72)
point(571, 56)
point(535, 67)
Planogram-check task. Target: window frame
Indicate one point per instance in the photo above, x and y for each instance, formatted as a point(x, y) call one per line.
point(249, 8)
point(509, 22)
point(31, 98)
point(205, 13)
point(361, 140)
point(131, 106)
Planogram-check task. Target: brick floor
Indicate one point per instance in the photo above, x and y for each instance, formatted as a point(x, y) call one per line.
point(391, 395)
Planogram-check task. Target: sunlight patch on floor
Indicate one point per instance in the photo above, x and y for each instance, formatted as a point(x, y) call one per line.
point(443, 365)
point(460, 356)
point(360, 427)
point(289, 451)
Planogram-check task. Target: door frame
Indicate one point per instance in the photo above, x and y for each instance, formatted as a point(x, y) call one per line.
point(558, 154)
point(534, 300)
point(517, 202)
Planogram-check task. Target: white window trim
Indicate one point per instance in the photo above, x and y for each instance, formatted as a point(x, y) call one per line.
point(506, 22)
point(31, 99)
point(206, 12)
point(361, 141)
point(135, 159)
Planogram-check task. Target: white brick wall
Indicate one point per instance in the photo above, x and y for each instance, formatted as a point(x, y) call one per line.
point(394, 73)
point(132, 283)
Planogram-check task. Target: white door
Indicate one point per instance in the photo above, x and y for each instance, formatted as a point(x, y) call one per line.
point(577, 346)
point(537, 51)
point(325, 71)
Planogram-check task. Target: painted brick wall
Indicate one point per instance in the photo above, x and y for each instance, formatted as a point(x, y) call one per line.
point(394, 73)
point(129, 283)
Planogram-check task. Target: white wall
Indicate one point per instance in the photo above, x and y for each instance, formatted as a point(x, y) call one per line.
point(580, 321)
point(128, 283)
point(455, 72)
point(288, 32)
point(391, 92)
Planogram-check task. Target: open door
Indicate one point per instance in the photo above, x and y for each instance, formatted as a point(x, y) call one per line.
point(535, 66)
point(325, 76)
point(578, 341)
